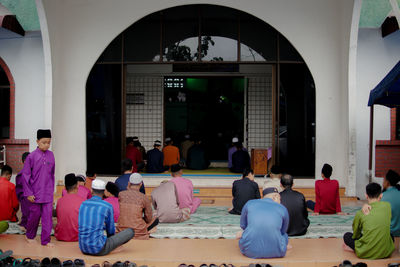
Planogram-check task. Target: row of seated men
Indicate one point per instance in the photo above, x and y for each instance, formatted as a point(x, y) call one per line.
point(81, 213)
point(191, 153)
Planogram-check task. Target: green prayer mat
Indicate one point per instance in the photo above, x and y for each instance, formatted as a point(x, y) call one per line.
point(216, 222)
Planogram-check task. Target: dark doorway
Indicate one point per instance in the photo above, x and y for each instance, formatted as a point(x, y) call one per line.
point(208, 108)
point(103, 119)
point(297, 120)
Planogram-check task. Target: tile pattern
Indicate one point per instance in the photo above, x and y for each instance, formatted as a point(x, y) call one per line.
point(145, 120)
point(259, 112)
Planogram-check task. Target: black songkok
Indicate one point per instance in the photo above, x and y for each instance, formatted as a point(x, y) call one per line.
point(43, 133)
point(112, 188)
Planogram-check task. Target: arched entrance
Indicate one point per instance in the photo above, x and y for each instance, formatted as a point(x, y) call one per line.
point(204, 70)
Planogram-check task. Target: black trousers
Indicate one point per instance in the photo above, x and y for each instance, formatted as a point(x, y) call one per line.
point(350, 242)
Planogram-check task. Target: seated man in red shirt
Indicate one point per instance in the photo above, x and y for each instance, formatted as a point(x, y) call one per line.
point(327, 200)
point(8, 198)
point(68, 211)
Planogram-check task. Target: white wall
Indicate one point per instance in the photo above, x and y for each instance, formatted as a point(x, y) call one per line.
point(24, 58)
point(319, 29)
point(376, 56)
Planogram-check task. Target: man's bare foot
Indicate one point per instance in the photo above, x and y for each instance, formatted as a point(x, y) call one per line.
point(118, 249)
point(31, 241)
point(288, 247)
point(23, 229)
point(347, 248)
point(50, 245)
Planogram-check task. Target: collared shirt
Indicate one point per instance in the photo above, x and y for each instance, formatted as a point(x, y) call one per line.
point(327, 200)
point(114, 202)
point(38, 176)
point(95, 216)
point(171, 155)
point(123, 181)
point(83, 192)
point(392, 195)
point(135, 155)
point(184, 187)
point(8, 201)
point(67, 210)
point(372, 232)
point(155, 161)
point(136, 212)
point(265, 224)
point(165, 202)
point(295, 203)
point(243, 190)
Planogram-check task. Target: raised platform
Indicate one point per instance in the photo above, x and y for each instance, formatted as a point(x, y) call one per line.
point(172, 252)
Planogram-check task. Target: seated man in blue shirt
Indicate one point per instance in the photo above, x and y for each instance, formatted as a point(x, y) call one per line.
point(95, 216)
point(264, 223)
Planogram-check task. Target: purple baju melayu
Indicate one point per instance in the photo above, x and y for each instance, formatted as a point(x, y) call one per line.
point(19, 190)
point(38, 181)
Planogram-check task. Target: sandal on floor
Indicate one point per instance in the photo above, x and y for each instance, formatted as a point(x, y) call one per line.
point(106, 264)
point(5, 254)
point(45, 262)
point(55, 262)
point(68, 263)
point(79, 263)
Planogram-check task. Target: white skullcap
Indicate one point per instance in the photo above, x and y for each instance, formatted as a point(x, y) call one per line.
point(98, 184)
point(235, 140)
point(135, 178)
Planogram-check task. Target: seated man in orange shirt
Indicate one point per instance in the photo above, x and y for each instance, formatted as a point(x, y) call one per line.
point(171, 153)
point(8, 198)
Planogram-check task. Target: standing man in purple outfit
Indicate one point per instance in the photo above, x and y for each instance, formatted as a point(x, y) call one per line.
point(19, 190)
point(38, 179)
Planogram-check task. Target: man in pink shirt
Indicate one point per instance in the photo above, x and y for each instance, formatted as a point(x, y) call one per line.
point(83, 192)
point(111, 196)
point(68, 211)
point(184, 187)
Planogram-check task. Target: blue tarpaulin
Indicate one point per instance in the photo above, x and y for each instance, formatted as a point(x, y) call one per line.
point(387, 92)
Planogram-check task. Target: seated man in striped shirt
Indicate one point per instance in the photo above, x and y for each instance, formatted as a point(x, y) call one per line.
point(95, 216)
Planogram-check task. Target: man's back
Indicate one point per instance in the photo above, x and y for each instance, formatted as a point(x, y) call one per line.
point(8, 201)
point(264, 223)
point(94, 213)
point(185, 147)
point(327, 199)
point(171, 155)
point(184, 187)
point(243, 190)
point(135, 155)
point(67, 217)
point(133, 205)
point(372, 232)
point(298, 216)
point(155, 160)
point(165, 202)
point(240, 161)
point(196, 158)
point(392, 195)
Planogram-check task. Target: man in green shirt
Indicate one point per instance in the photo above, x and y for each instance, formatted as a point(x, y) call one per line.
point(371, 238)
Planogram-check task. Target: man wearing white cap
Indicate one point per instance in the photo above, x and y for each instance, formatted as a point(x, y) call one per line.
point(94, 214)
point(232, 149)
point(155, 159)
point(135, 209)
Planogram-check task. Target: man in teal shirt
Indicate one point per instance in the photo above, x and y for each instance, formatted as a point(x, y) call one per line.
point(371, 238)
point(391, 194)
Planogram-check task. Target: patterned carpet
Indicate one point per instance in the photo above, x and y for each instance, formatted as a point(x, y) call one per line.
point(216, 222)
